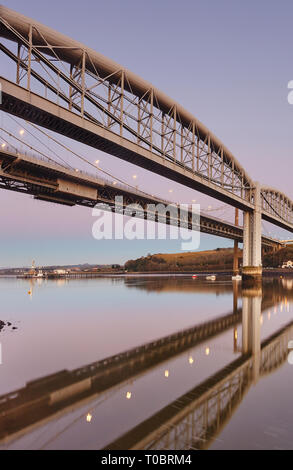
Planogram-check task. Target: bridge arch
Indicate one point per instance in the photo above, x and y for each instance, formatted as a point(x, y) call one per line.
point(96, 101)
point(104, 92)
point(276, 205)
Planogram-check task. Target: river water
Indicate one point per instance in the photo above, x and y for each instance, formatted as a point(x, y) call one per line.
point(146, 362)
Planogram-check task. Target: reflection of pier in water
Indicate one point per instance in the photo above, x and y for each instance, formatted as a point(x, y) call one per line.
point(194, 420)
point(42, 399)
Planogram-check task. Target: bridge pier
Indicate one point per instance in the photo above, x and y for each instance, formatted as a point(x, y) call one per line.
point(235, 255)
point(252, 263)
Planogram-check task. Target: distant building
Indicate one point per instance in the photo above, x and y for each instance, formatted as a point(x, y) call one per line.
point(60, 271)
point(288, 264)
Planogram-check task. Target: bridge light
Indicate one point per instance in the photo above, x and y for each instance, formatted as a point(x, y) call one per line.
point(3, 145)
point(114, 182)
point(97, 162)
point(207, 351)
point(77, 170)
point(166, 373)
point(170, 190)
point(21, 131)
point(128, 395)
point(194, 200)
point(88, 418)
point(190, 360)
point(134, 177)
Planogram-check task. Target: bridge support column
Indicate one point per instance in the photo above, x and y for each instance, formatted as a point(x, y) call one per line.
point(235, 255)
point(252, 264)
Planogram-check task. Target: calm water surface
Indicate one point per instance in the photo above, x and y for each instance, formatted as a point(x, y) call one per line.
point(145, 362)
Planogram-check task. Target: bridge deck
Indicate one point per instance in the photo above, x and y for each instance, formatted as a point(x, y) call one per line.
point(51, 182)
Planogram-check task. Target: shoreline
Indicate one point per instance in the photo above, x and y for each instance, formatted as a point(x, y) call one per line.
point(267, 272)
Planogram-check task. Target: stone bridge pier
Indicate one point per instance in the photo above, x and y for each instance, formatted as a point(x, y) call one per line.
point(252, 259)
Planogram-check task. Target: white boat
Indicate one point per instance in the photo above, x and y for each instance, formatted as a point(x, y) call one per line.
point(211, 278)
point(40, 273)
point(237, 278)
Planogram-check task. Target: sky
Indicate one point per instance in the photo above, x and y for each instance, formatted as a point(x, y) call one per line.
point(227, 62)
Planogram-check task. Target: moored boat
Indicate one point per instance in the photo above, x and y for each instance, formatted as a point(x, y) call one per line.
point(237, 277)
point(211, 278)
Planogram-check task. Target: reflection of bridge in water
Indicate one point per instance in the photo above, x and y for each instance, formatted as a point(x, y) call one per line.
point(49, 395)
point(194, 420)
point(280, 288)
point(42, 400)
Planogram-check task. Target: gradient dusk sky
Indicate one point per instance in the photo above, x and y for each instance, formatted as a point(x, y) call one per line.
point(228, 62)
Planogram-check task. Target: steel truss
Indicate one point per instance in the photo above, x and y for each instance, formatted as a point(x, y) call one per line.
point(103, 92)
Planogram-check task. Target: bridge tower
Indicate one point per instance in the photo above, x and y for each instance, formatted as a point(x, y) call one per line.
point(252, 261)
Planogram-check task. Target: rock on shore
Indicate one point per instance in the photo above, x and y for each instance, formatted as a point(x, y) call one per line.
point(3, 324)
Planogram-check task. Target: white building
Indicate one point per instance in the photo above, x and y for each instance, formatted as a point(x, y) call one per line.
point(60, 271)
point(288, 264)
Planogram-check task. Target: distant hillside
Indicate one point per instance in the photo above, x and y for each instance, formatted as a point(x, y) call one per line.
point(221, 258)
point(274, 260)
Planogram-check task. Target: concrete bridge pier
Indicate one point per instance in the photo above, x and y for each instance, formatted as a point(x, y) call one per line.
point(252, 262)
point(236, 254)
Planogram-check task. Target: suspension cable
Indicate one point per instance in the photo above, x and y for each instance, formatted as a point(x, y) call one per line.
point(42, 143)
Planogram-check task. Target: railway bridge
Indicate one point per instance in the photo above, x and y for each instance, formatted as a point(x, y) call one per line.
point(66, 87)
